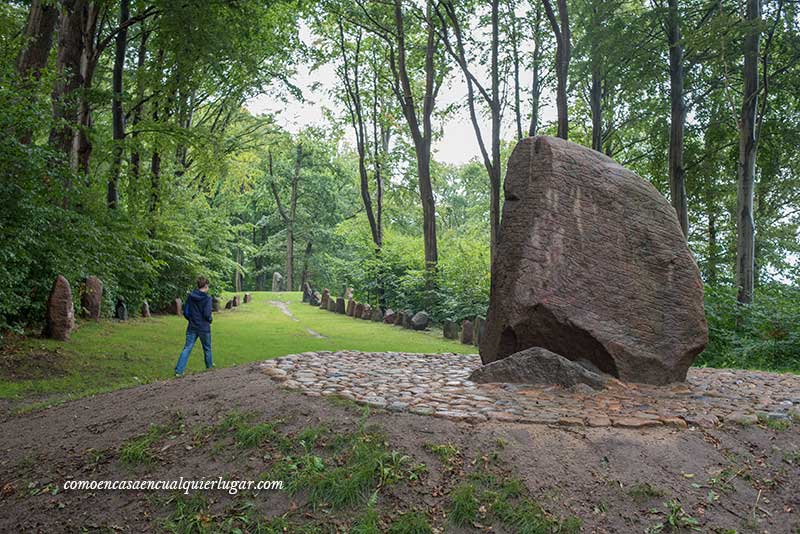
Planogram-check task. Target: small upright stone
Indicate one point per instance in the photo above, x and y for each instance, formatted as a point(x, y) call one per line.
point(340, 308)
point(399, 318)
point(175, 307)
point(331, 304)
point(420, 320)
point(120, 309)
point(146, 309)
point(389, 316)
point(60, 312)
point(91, 298)
point(247, 298)
point(366, 313)
point(307, 292)
point(358, 310)
point(377, 315)
point(214, 304)
point(466, 332)
point(478, 330)
point(236, 300)
point(315, 298)
point(407, 316)
point(348, 293)
point(229, 305)
point(351, 307)
point(450, 329)
point(277, 282)
point(326, 295)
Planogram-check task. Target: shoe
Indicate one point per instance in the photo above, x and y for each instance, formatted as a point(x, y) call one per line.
point(178, 375)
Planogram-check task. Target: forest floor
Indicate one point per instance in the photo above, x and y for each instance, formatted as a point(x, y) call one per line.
point(107, 355)
point(347, 468)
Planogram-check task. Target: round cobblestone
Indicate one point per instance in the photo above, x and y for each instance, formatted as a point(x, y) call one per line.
point(438, 385)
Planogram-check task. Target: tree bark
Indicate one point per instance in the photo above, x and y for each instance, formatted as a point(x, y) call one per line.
point(38, 40)
point(69, 76)
point(561, 30)
point(306, 259)
point(677, 180)
point(536, 85)
point(421, 136)
point(117, 115)
point(141, 59)
point(748, 142)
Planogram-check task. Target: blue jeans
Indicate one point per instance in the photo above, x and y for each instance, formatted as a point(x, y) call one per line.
point(191, 338)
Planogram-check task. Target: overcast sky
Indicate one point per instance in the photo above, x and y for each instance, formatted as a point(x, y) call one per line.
point(457, 145)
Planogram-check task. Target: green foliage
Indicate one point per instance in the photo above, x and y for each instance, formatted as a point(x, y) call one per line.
point(763, 335)
point(136, 451)
point(411, 523)
point(463, 505)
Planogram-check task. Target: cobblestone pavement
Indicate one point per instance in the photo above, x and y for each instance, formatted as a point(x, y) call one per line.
point(438, 385)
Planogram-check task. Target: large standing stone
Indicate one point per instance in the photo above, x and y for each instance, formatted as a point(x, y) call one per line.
point(340, 308)
point(389, 317)
point(450, 329)
point(358, 311)
point(366, 313)
point(592, 265)
point(420, 320)
point(121, 309)
point(277, 282)
point(466, 332)
point(326, 295)
point(214, 304)
point(59, 317)
point(175, 307)
point(145, 311)
point(351, 307)
point(91, 298)
point(377, 315)
point(538, 366)
point(478, 330)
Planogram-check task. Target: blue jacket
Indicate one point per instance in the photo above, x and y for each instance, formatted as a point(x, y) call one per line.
point(198, 311)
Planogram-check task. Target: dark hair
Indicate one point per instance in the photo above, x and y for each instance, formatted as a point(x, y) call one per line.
point(202, 282)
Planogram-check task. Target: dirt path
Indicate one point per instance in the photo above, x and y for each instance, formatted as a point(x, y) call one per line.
point(614, 479)
point(284, 308)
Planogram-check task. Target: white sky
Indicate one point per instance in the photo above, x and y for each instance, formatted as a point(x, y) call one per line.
point(457, 144)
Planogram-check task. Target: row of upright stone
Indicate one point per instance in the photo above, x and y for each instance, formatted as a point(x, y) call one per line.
point(469, 333)
point(60, 311)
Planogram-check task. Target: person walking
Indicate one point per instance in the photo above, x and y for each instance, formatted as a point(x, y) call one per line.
point(197, 311)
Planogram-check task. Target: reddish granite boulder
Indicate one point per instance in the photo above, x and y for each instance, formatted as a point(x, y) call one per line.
point(59, 317)
point(91, 297)
point(366, 312)
point(389, 317)
point(358, 310)
point(323, 302)
point(592, 264)
point(351, 307)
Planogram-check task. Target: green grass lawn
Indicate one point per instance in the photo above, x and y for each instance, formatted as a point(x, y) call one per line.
point(110, 355)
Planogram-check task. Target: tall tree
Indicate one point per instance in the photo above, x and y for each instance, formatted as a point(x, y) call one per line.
point(561, 30)
point(677, 179)
point(117, 114)
point(748, 142)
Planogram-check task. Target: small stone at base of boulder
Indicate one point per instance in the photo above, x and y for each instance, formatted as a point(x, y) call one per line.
point(450, 329)
point(538, 366)
point(389, 316)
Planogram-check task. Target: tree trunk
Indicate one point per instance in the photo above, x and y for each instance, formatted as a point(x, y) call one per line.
point(561, 30)
point(748, 139)
point(69, 76)
point(677, 182)
point(38, 40)
point(81, 144)
point(290, 225)
point(141, 58)
point(306, 259)
point(117, 115)
point(495, 173)
point(536, 89)
point(422, 137)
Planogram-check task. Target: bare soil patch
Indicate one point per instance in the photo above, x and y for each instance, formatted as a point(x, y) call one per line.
point(727, 477)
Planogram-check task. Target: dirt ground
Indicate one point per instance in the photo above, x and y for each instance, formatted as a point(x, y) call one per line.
point(728, 478)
